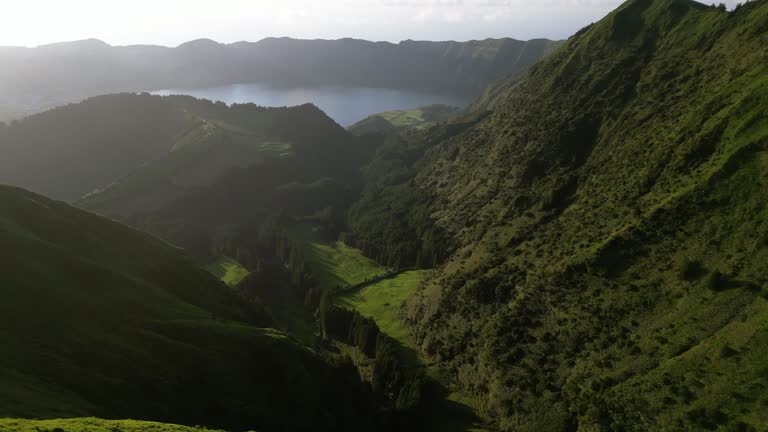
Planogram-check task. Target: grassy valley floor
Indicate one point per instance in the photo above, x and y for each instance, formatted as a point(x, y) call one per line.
point(338, 265)
point(381, 301)
point(228, 270)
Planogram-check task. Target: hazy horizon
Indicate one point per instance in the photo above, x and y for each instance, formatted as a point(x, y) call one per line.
point(174, 22)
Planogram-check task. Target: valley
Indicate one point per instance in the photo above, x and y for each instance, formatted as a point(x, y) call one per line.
point(580, 247)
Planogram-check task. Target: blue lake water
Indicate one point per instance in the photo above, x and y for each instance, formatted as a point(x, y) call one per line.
point(346, 105)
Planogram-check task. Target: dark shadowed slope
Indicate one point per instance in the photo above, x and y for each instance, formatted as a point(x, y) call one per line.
point(232, 170)
point(100, 319)
point(168, 144)
point(72, 150)
point(609, 228)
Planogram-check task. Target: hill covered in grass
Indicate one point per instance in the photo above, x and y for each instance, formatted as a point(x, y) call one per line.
point(202, 175)
point(290, 149)
point(399, 120)
point(102, 320)
point(151, 146)
point(606, 229)
point(70, 151)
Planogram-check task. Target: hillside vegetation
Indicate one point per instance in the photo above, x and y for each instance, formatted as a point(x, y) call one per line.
point(398, 120)
point(53, 153)
point(232, 171)
point(607, 224)
point(137, 151)
point(100, 319)
point(220, 142)
point(592, 240)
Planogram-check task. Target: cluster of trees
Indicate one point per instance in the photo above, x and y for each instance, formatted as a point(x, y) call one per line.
point(399, 384)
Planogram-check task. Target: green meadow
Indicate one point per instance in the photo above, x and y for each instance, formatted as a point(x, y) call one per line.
point(228, 270)
point(337, 265)
point(382, 300)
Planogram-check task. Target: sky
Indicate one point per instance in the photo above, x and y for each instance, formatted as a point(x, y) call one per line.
point(172, 22)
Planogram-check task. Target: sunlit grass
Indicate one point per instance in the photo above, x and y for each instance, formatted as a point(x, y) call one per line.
point(382, 300)
point(228, 270)
point(338, 265)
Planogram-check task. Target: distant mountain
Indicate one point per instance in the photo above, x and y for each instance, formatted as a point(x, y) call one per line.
point(33, 79)
point(601, 236)
point(102, 320)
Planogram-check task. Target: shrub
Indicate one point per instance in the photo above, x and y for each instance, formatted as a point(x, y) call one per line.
point(690, 269)
point(727, 352)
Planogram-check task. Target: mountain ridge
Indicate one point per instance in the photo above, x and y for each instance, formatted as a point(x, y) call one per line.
point(39, 78)
point(208, 41)
point(604, 227)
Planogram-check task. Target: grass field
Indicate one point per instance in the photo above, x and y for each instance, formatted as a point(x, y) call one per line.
point(91, 424)
point(338, 265)
point(417, 118)
point(381, 301)
point(228, 270)
point(405, 118)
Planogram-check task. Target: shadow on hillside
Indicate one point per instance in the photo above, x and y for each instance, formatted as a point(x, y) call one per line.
point(325, 267)
point(446, 415)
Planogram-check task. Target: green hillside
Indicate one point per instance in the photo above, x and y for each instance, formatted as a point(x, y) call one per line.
point(55, 154)
point(218, 141)
point(197, 158)
point(338, 265)
point(606, 229)
point(399, 120)
point(103, 320)
point(232, 170)
point(228, 270)
point(591, 238)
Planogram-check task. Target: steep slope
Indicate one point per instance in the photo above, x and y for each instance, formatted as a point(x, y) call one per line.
point(70, 151)
point(33, 79)
point(232, 139)
point(234, 169)
point(100, 319)
point(142, 144)
point(609, 227)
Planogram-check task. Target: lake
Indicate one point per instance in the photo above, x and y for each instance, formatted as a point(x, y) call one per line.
point(346, 105)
